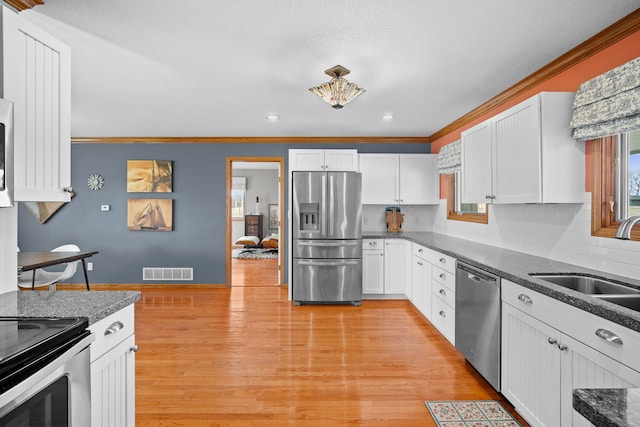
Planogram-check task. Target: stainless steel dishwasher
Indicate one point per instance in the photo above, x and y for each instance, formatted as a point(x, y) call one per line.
point(478, 320)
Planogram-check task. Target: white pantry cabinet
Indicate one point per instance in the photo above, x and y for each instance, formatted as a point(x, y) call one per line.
point(36, 77)
point(406, 179)
point(524, 155)
point(323, 160)
point(113, 370)
point(550, 348)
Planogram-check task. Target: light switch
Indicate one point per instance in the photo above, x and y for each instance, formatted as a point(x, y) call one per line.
point(105, 208)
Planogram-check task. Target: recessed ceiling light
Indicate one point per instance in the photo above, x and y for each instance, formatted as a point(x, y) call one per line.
point(273, 117)
point(387, 116)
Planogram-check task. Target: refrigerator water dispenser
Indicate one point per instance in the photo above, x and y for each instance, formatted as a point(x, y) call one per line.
point(309, 216)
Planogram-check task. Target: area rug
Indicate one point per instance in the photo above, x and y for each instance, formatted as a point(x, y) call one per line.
point(255, 253)
point(470, 413)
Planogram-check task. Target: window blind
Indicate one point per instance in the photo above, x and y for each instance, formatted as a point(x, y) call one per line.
point(449, 158)
point(608, 104)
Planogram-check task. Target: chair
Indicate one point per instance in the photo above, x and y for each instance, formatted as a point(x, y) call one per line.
point(50, 278)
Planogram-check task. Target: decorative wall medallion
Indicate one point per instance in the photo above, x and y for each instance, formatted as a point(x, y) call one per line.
point(95, 182)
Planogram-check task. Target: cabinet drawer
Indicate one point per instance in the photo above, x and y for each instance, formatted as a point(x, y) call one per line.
point(578, 324)
point(111, 330)
point(443, 261)
point(443, 318)
point(372, 244)
point(420, 251)
point(444, 293)
point(444, 277)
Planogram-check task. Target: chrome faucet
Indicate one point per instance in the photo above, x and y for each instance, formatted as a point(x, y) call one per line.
point(624, 231)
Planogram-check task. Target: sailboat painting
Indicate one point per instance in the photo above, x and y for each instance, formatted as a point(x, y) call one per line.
point(149, 176)
point(150, 215)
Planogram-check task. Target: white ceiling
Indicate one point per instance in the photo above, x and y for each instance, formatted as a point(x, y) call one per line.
point(219, 67)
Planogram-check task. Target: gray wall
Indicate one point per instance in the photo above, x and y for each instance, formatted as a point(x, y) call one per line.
point(198, 239)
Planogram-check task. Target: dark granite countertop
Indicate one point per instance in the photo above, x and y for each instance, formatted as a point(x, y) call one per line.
point(602, 407)
point(609, 407)
point(516, 267)
point(94, 305)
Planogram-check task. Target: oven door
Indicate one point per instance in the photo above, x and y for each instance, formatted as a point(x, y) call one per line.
point(58, 395)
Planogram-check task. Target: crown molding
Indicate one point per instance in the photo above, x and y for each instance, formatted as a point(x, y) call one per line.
point(251, 140)
point(607, 37)
point(23, 4)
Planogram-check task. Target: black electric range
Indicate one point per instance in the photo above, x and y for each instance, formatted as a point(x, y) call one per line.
point(28, 344)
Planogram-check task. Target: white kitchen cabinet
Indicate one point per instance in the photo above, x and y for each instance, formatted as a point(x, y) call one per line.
point(113, 370)
point(36, 77)
point(524, 155)
point(443, 285)
point(373, 266)
point(421, 280)
point(550, 348)
point(396, 267)
point(323, 160)
point(409, 179)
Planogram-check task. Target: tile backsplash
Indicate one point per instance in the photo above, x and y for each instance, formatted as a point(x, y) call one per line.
point(558, 231)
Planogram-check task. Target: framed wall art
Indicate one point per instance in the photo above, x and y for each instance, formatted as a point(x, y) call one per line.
point(150, 215)
point(149, 176)
point(274, 212)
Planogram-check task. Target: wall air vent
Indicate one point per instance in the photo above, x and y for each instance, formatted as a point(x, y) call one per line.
point(149, 273)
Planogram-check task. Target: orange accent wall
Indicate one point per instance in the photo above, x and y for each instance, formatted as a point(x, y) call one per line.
point(569, 80)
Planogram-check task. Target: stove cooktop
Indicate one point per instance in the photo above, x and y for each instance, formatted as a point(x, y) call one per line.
point(27, 344)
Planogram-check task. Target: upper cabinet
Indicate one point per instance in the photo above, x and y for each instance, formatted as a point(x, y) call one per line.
point(36, 77)
point(323, 160)
point(524, 155)
point(408, 179)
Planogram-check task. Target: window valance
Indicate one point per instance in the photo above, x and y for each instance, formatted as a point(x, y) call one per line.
point(239, 183)
point(449, 158)
point(608, 104)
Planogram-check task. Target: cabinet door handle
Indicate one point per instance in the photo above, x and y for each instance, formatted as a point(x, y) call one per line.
point(442, 313)
point(525, 299)
point(552, 341)
point(419, 263)
point(134, 348)
point(562, 347)
point(115, 327)
point(68, 189)
point(442, 292)
point(609, 336)
point(420, 250)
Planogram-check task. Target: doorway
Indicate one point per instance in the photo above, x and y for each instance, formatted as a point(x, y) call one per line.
point(255, 221)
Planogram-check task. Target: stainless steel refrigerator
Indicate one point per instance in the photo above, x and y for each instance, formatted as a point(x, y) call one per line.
point(327, 237)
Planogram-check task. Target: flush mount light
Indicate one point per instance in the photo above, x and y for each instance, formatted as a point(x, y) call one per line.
point(273, 117)
point(387, 116)
point(338, 92)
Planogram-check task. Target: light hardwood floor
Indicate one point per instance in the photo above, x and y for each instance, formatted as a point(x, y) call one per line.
point(254, 272)
point(245, 356)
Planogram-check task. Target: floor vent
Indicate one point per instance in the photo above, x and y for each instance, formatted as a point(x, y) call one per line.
point(167, 273)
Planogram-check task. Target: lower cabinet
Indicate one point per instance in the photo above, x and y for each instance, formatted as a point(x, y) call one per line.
point(542, 362)
point(386, 268)
point(373, 266)
point(113, 370)
point(421, 281)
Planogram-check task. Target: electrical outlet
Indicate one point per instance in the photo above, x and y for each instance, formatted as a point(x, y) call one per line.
point(90, 266)
point(104, 208)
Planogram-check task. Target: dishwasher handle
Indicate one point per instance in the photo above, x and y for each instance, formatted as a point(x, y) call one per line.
point(477, 275)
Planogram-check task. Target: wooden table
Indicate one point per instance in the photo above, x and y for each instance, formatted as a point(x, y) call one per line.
point(28, 261)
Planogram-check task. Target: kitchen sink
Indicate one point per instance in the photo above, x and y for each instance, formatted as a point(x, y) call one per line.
point(629, 301)
point(589, 285)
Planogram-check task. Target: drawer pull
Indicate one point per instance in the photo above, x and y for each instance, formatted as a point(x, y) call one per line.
point(609, 336)
point(552, 341)
point(442, 313)
point(115, 327)
point(442, 292)
point(442, 260)
point(134, 348)
point(420, 250)
point(525, 299)
point(419, 263)
point(442, 276)
point(373, 243)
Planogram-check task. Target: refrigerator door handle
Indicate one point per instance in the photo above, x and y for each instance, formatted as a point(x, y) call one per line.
point(327, 243)
point(323, 210)
point(329, 263)
point(331, 217)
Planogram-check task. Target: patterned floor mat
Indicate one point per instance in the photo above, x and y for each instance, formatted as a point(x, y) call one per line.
point(470, 413)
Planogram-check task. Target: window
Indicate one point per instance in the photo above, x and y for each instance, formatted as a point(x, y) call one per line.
point(472, 212)
point(616, 182)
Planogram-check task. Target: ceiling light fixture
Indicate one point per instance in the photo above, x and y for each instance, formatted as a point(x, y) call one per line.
point(338, 91)
point(387, 116)
point(273, 117)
